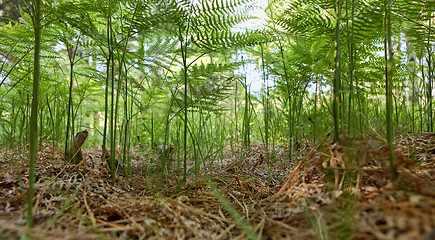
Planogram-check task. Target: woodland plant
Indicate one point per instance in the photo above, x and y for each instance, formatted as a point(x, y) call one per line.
point(137, 74)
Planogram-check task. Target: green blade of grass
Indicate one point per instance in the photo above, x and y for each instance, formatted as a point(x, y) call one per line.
point(240, 221)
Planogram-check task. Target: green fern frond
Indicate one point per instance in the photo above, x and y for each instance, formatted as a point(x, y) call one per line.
point(302, 17)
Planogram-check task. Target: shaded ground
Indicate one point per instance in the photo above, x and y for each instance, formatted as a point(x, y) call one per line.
point(335, 191)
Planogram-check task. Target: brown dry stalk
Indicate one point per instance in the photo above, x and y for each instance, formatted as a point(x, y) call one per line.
point(74, 154)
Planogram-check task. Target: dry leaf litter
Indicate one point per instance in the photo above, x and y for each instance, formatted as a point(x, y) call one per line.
point(324, 189)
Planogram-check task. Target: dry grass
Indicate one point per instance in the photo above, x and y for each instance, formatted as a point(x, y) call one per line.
point(326, 191)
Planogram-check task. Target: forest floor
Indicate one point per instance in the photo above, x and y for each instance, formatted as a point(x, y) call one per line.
point(325, 192)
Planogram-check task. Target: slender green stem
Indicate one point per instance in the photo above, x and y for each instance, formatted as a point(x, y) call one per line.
point(34, 113)
point(389, 85)
point(337, 74)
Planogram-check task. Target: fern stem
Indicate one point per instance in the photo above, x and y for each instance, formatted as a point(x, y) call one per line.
point(388, 52)
point(34, 112)
point(337, 73)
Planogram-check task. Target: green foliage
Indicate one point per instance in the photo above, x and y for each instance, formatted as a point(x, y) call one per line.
point(174, 64)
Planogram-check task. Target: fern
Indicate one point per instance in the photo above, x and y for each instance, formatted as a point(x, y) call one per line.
point(209, 86)
point(309, 17)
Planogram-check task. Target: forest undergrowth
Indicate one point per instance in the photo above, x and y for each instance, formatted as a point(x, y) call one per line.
point(324, 192)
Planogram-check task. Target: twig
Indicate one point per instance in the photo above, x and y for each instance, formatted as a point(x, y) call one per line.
point(91, 214)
